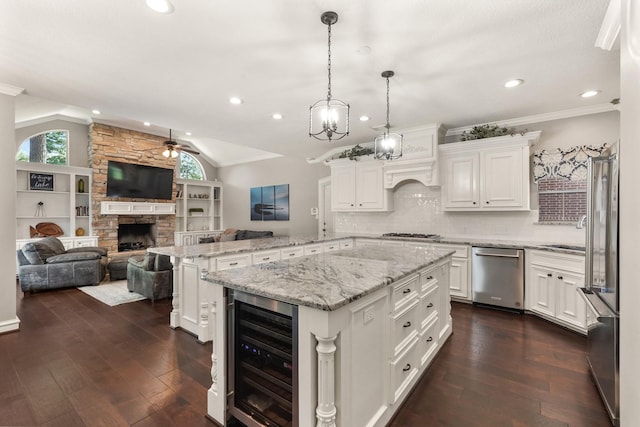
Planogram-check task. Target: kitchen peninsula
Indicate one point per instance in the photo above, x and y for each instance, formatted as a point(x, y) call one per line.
point(367, 323)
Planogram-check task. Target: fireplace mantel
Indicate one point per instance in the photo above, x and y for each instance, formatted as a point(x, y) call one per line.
point(137, 208)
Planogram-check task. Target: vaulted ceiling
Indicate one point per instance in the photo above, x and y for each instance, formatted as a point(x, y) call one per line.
point(178, 70)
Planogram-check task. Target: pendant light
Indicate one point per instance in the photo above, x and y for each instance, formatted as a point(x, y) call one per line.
point(329, 118)
point(388, 146)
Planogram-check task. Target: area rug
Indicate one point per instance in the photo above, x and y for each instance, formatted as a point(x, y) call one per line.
point(112, 293)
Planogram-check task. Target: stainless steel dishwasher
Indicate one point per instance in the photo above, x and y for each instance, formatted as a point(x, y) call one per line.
point(497, 277)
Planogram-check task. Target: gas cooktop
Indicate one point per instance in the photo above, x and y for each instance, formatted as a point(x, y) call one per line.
point(412, 235)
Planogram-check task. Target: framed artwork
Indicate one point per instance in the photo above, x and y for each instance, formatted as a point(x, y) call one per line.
point(40, 181)
point(270, 203)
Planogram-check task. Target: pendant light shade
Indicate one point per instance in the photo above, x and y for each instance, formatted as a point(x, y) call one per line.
point(329, 118)
point(388, 146)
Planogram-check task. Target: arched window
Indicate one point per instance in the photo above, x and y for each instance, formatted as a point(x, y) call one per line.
point(190, 167)
point(49, 147)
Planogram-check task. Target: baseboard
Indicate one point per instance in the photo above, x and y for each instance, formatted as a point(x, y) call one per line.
point(9, 325)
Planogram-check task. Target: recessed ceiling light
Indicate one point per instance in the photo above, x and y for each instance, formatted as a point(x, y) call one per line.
point(589, 93)
point(96, 112)
point(235, 100)
point(160, 6)
point(364, 118)
point(147, 124)
point(513, 83)
point(188, 133)
point(277, 116)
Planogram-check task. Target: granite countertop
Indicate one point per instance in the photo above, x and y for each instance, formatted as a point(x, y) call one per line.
point(330, 280)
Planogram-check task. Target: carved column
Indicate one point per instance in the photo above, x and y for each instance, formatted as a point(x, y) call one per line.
point(214, 353)
point(174, 318)
point(326, 410)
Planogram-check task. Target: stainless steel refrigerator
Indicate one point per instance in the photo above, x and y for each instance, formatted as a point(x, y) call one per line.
point(601, 278)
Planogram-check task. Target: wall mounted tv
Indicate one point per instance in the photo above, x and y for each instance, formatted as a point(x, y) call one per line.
point(139, 181)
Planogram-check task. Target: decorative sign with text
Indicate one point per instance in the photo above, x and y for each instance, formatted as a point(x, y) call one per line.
point(40, 181)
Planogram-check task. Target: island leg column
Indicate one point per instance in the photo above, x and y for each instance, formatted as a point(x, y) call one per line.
point(174, 317)
point(326, 410)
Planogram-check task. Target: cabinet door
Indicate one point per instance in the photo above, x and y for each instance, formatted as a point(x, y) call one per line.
point(570, 307)
point(540, 290)
point(343, 188)
point(460, 178)
point(370, 192)
point(459, 278)
point(501, 179)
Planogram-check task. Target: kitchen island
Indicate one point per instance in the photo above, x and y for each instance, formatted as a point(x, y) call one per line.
point(369, 322)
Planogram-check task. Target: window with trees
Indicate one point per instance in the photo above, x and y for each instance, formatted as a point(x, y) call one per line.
point(49, 147)
point(190, 167)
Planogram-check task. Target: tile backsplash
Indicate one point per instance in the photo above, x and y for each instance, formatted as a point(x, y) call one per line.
point(418, 209)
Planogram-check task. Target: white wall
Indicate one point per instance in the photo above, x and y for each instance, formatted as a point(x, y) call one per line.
point(303, 194)
point(629, 208)
point(8, 319)
point(418, 208)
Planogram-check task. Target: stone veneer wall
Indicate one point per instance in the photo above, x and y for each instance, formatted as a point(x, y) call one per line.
point(123, 145)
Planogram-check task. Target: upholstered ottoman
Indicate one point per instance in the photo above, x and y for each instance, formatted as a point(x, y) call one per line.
point(117, 269)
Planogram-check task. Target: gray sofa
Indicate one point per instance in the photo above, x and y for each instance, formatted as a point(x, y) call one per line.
point(46, 264)
point(150, 275)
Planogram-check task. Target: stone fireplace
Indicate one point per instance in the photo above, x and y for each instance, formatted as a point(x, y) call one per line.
point(124, 145)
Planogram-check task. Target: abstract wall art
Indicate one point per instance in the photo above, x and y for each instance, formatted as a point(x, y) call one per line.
point(270, 203)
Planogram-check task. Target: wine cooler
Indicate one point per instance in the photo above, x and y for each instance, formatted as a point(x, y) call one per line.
point(263, 362)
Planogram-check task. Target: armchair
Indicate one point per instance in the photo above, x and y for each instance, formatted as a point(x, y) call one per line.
point(150, 275)
point(46, 264)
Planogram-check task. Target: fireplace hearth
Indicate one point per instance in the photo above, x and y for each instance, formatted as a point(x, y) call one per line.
point(133, 237)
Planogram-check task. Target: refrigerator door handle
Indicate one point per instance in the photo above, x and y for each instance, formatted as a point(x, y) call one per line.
point(595, 305)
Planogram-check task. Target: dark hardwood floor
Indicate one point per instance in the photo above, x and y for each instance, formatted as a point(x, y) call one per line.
point(78, 362)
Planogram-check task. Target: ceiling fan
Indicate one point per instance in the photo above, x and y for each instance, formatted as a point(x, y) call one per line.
point(172, 148)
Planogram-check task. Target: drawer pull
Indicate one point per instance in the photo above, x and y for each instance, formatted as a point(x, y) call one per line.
point(429, 277)
point(560, 277)
point(266, 259)
point(429, 339)
point(407, 368)
point(292, 254)
point(406, 325)
point(406, 291)
point(549, 275)
point(233, 263)
point(430, 305)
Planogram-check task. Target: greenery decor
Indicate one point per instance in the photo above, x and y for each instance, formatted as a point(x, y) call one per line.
point(355, 151)
point(488, 131)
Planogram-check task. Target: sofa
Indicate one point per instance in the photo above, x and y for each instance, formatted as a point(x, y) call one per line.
point(46, 264)
point(150, 275)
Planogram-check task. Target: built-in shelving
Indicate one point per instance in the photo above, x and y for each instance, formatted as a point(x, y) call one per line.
point(198, 210)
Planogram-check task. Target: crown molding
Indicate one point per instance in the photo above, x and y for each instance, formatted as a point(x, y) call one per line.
point(11, 90)
point(46, 119)
point(610, 28)
point(539, 118)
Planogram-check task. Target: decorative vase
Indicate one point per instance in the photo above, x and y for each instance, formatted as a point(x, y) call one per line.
point(81, 185)
point(80, 230)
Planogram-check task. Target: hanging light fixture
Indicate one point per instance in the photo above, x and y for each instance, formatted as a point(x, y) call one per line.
point(388, 146)
point(329, 118)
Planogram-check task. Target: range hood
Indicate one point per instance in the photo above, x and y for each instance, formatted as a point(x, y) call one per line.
point(424, 170)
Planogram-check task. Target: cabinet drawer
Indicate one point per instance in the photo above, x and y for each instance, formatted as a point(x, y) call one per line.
point(226, 263)
point(404, 327)
point(265, 256)
point(404, 292)
point(428, 279)
point(403, 370)
point(428, 341)
point(461, 251)
point(312, 249)
point(331, 246)
point(428, 306)
point(393, 243)
point(346, 244)
point(293, 252)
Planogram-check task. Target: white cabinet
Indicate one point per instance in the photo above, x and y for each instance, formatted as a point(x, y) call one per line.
point(460, 272)
point(359, 186)
point(198, 206)
point(491, 174)
point(53, 193)
point(552, 284)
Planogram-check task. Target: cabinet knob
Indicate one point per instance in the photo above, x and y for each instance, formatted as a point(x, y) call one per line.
point(549, 275)
point(360, 204)
point(351, 204)
point(560, 277)
point(430, 305)
point(407, 368)
point(406, 325)
point(487, 202)
point(474, 203)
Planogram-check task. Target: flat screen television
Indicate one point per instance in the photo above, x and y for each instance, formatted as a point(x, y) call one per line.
point(139, 181)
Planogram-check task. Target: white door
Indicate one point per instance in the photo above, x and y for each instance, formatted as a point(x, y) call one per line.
point(325, 214)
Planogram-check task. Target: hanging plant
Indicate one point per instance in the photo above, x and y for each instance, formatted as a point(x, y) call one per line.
point(488, 131)
point(354, 152)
